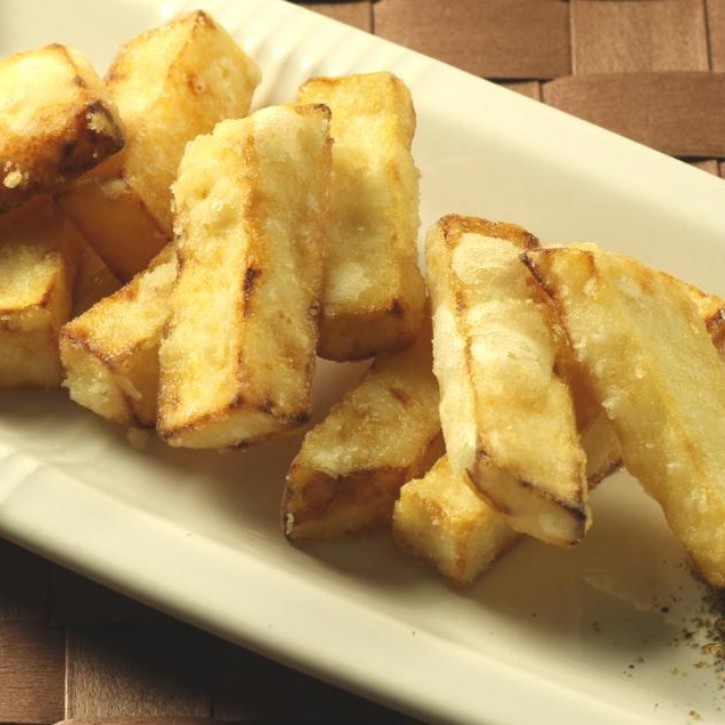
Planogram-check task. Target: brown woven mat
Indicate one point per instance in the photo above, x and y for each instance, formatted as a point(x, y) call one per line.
point(650, 69)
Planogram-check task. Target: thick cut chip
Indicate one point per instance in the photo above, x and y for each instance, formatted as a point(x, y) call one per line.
point(38, 254)
point(383, 432)
point(170, 84)
point(374, 292)
point(110, 353)
point(653, 366)
point(239, 352)
point(442, 519)
point(507, 417)
point(598, 437)
point(56, 121)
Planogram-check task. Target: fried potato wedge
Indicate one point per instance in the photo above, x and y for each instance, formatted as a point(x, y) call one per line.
point(383, 432)
point(38, 257)
point(597, 437)
point(643, 343)
point(170, 84)
point(110, 352)
point(238, 354)
point(374, 292)
point(508, 419)
point(57, 120)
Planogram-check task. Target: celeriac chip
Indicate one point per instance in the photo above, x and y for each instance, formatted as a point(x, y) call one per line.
point(238, 354)
point(374, 292)
point(38, 259)
point(442, 519)
point(110, 352)
point(170, 84)
point(653, 366)
point(384, 431)
point(508, 418)
point(56, 121)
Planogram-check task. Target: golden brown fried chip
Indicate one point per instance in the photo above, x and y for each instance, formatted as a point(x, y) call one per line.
point(374, 292)
point(170, 84)
point(93, 282)
point(384, 431)
point(442, 518)
point(38, 258)
point(239, 352)
point(57, 120)
point(652, 364)
point(110, 352)
point(508, 418)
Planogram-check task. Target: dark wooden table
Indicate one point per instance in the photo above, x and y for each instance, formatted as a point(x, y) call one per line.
point(651, 69)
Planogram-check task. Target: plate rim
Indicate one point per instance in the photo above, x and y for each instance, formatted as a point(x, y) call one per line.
point(28, 503)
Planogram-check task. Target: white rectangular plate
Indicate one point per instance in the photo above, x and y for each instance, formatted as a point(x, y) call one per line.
point(590, 635)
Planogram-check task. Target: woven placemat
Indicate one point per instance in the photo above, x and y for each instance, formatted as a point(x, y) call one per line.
point(650, 69)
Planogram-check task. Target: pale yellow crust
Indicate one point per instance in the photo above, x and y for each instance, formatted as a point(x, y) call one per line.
point(712, 310)
point(383, 432)
point(93, 280)
point(38, 260)
point(238, 354)
point(374, 292)
point(442, 519)
point(658, 376)
point(110, 352)
point(507, 416)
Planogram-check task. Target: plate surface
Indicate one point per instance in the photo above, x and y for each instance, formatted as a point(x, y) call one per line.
point(613, 631)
